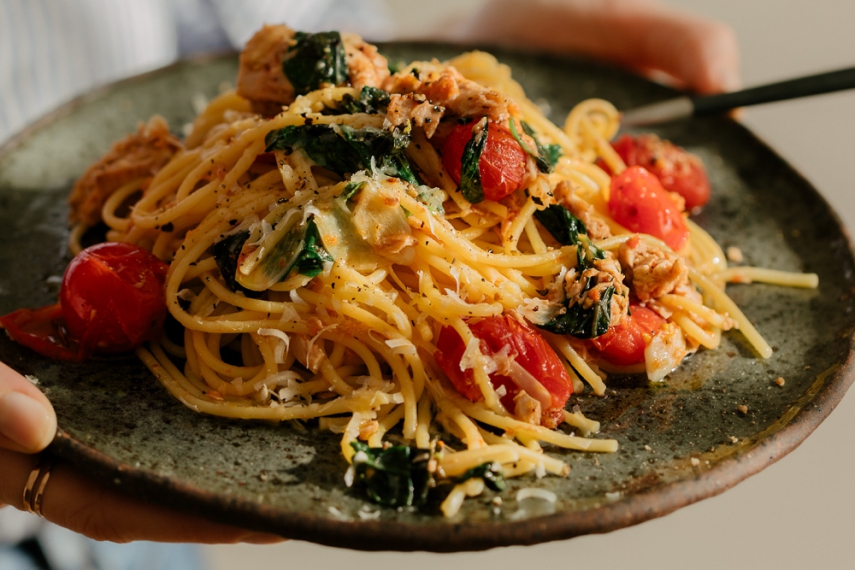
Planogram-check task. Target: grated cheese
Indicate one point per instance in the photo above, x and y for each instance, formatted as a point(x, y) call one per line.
point(534, 493)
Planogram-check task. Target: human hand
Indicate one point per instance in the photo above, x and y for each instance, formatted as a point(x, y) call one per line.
point(697, 53)
point(71, 499)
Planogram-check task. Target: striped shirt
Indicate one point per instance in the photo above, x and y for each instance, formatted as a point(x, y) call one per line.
point(54, 50)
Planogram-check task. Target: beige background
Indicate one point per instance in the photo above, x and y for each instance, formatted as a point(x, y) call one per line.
point(799, 512)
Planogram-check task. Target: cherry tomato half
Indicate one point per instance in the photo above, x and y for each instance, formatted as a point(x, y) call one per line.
point(677, 169)
point(625, 342)
point(639, 203)
point(502, 165)
point(42, 330)
point(112, 297)
point(525, 344)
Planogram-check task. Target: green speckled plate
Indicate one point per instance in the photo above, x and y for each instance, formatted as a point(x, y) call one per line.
point(680, 441)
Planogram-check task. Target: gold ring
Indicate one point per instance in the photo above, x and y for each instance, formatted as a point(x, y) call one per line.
point(36, 483)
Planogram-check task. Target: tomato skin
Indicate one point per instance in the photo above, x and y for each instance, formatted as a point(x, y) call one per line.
point(112, 297)
point(625, 342)
point(525, 344)
point(503, 161)
point(638, 202)
point(43, 331)
point(677, 169)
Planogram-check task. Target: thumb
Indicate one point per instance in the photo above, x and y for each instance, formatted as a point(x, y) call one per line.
point(27, 419)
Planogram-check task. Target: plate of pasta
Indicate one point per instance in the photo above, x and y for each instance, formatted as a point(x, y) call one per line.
point(413, 298)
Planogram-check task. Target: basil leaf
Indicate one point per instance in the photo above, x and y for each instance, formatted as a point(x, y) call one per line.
point(310, 261)
point(396, 476)
point(584, 323)
point(470, 175)
point(371, 100)
point(315, 60)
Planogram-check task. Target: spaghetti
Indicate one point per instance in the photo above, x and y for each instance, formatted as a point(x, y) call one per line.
point(310, 287)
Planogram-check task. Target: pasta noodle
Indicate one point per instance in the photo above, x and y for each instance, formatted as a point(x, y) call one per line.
point(353, 341)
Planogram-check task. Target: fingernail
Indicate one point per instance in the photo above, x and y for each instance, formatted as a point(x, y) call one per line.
point(25, 421)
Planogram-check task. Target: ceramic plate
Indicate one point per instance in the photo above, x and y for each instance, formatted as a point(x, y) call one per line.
point(680, 441)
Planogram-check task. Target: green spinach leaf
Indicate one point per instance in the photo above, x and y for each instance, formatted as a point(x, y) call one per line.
point(587, 252)
point(569, 230)
point(300, 247)
point(493, 478)
point(225, 253)
point(346, 150)
point(396, 476)
point(561, 223)
point(470, 174)
point(320, 142)
point(551, 152)
point(315, 60)
point(576, 320)
point(584, 323)
point(547, 155)
point(310, 261)
point(371, 100)
point(385, 147)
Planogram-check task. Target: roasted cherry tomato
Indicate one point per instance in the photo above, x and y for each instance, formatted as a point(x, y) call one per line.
point(625, 342)
point(112, 297)
point(112, 300)
point(502, 166)
point(677, 169)
point(639, 203)
point(42, 330)
point(524, 344)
